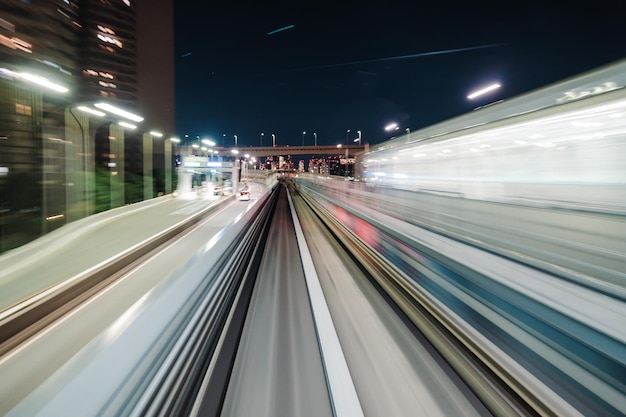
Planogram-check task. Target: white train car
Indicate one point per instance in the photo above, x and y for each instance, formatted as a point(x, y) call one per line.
point(560, 146)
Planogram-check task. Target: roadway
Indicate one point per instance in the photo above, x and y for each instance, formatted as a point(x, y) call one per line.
point(280, 364)
point(56, 350)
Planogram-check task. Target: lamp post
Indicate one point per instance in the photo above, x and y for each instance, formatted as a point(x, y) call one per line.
point(261, 143)
point(315, 136)
point(391, 126)
point(223, 138)
point(303, 133)
point(359, 138)
point(347, 135)
point(273, 140)
point(235, 140)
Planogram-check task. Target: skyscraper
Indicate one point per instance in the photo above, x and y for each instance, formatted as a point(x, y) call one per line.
point(55, 56)
point(109, 52)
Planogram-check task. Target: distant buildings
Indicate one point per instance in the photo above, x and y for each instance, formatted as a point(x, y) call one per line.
point(332, 165)
point(58, 163)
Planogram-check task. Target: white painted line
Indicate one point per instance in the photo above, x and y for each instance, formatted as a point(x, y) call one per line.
point(343, 395)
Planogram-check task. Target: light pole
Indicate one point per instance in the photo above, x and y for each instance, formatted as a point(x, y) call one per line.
point(347, 135)
point(273, 140)
point(261, 143)
point(391, 126)
point(235, 140)
point(223, 138)
point(315, 136)
point(303, 133)
point(359, 138)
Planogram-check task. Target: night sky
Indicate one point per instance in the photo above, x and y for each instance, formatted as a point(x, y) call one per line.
point(362, 65)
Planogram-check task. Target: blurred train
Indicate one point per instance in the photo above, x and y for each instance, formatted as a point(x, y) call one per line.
point(560, 146)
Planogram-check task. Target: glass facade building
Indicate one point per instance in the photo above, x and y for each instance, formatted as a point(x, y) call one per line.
point(58, 163)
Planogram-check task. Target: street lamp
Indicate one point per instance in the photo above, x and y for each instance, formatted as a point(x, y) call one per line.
point(91, 111)
point(235, 139)
point(119, 112)
point(273, 140)
point(483, 91)
point(359, 138)
point(347, 135)
point(261, 143)
point(391, 126)
point(223, 138)
point(303, 133)
point(315, 136)
point(127, 125)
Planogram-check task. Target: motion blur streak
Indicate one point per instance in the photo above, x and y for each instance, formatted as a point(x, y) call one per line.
point(401, 57)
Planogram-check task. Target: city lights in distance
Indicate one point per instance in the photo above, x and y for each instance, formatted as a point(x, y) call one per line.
point(43, 82)
point(484, 90)
point(127, 125)
point(120, 112)
point(91, 111)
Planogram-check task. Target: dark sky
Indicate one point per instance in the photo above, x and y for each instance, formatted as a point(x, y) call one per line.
point(352, 65)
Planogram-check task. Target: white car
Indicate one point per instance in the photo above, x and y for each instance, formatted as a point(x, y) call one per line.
point(243, 196)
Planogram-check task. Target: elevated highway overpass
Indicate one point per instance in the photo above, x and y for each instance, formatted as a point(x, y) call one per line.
point(264, 151)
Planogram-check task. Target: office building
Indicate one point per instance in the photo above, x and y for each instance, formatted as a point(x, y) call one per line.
point(57, 163)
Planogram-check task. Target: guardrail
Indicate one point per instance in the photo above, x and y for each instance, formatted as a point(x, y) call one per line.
point(20, 321)
point(153, 360)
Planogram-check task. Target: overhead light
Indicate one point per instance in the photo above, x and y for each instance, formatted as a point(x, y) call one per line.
point(391, 126)
point(483, 91)
point(157, 134)
point(208, 142)
point(128, 125)
point(43, 82)
point(119, 112)
point(175, 140)
point(92, 111)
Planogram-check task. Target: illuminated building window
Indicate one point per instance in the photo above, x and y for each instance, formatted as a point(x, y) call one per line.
point(23, 45)
point(108, 85)
point(7, 25)
point(23, 109)
point(109, 39)
point(106, 30)
point(107, 48)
